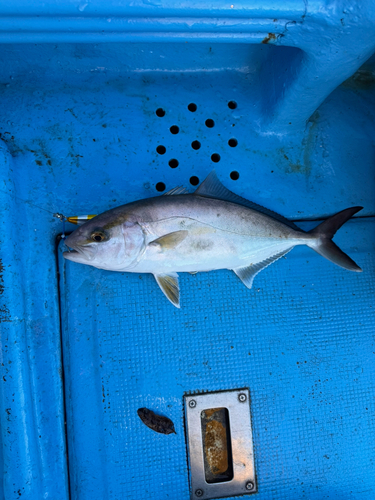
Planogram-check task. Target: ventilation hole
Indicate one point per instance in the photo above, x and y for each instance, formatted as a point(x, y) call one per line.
point(195, 145)
point(161, 150)
point(234, 175)
point(192, 107)
point(194, 181)
point(160, 112)
point(160, 186)
point(210, 123)
point(174, 129)
point(173, 163)
point(232, 105)
point(232, 143)
point(215, 157)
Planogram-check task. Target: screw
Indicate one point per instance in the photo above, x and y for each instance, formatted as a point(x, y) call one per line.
point(249, 485)
point(199, 492)
point(193, 404)
point(242, 397)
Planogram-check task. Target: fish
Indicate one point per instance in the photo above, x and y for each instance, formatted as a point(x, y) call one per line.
point(210, 229)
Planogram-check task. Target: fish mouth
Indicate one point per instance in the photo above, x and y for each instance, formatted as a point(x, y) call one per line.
point(80, 253)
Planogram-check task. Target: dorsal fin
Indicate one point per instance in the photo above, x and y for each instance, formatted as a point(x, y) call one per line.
point(176, 190)
point(211, 187)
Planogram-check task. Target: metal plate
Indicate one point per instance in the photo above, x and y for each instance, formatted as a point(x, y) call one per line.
point(237, 403)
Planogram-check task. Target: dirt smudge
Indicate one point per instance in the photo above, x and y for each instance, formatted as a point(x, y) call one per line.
point(269, 38)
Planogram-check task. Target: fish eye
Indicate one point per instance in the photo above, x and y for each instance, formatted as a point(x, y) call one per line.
point(98, 236)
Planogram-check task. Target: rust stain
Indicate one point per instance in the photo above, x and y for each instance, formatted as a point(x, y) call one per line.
point(269, 38)
point(216, 447)
point(211, 411)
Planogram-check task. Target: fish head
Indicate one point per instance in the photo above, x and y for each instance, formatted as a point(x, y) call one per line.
point(105, 243)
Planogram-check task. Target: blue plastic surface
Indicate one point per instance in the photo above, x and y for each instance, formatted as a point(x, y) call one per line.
point(304, 351)
point(79, 133)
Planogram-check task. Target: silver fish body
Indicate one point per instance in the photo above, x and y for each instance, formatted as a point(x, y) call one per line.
point(208, 230)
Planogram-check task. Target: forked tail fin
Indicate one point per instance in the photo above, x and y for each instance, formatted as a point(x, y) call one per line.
point(323, 245)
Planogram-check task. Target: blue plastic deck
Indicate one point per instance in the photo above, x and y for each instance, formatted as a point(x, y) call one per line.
point(80, 83)
point(301, 340)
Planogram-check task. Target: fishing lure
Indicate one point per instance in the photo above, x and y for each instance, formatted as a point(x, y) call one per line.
point(75, 219)
point(80, 219)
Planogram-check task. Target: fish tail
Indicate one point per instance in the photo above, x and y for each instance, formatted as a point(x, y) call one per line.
point(323, 244)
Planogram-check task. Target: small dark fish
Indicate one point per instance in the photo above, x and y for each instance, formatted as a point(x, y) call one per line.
point(157, 423)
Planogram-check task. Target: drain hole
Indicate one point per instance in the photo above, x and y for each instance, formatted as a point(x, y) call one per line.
point(232, 105)
point(161, 150)
point(234, 175)
point(173, 163)
point(210, 123)
point(195, 145)
point(215, 157)
point(194, 181)
point(160, 112)
point(232, 143)
point(174, 129)
point(192, 107)
point(160, 186)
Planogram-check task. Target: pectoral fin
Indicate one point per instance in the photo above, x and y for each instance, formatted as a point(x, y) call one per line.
point(170, 287)
point(170, 240)
point(248, 273)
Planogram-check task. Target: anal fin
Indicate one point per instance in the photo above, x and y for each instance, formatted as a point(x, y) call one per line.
point(169, 286)
point(248, 273)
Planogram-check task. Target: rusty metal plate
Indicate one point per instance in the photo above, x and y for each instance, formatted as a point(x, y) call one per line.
point(220, 444)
